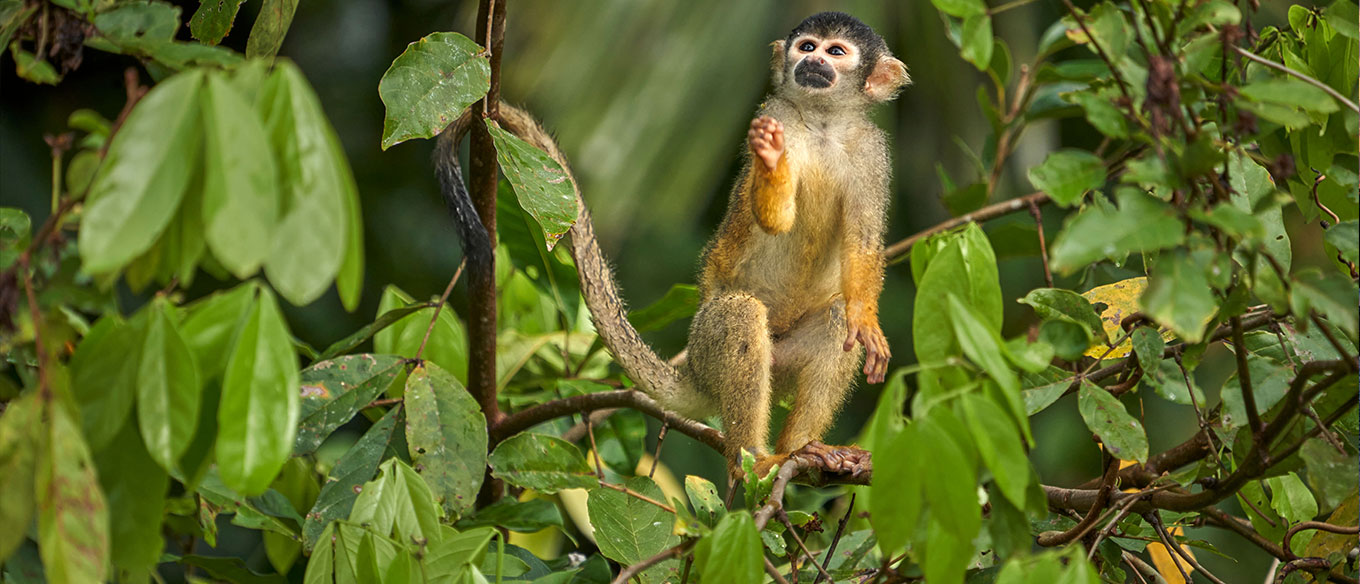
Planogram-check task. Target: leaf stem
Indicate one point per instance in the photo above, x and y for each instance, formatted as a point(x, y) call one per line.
point(440, 306)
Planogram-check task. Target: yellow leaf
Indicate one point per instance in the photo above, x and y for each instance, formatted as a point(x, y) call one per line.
point(1324, 544)
point(1121, 300)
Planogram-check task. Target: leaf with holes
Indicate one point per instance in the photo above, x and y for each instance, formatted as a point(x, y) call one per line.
point(446, 435)
point(543, 188)
point(1105, 415)
point(542, 463)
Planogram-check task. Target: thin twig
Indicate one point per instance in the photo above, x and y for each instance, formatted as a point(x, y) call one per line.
point(525, 419)
point(656, 456)
point(1056, 538)
point(1155, 520)
point(840, 530)
point(773, 571)
point(899, 250)
point(1302, 77)
point(1043, 246)
point(784, 518)
point(666, 554)
point(594, 450)
point(1244, 381)
point(1090, 38)
point(440, 306)
point(1141, 567)
point(638, 496)
point(1317, 525)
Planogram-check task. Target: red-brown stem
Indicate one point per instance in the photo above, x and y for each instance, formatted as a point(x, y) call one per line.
point(482, 278)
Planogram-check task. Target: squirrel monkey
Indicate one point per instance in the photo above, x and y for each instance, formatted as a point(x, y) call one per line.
point(790, 283)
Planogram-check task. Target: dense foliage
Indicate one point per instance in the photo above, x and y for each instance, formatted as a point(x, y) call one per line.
point(127, 439)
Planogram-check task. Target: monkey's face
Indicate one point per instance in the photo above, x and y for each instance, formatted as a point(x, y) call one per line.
point(820, 63)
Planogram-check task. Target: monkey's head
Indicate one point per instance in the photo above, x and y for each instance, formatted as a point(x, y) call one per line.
point(834, 57)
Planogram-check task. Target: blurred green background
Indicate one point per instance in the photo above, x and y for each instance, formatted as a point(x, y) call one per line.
point(650, 101)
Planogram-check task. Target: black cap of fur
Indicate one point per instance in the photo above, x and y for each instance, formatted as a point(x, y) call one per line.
point(842, 25)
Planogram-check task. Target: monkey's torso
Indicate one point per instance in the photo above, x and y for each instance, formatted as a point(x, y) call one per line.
point(800, 270)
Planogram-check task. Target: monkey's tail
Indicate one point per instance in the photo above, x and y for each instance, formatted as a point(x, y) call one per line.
point(477, 248)
point(654, 376)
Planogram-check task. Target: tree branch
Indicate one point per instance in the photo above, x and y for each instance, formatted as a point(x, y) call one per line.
point(1306, 79)
point(666, 554)
point(897, 251)
point(525, 419)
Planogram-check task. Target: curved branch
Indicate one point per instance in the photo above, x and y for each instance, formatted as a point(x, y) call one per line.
point(525, 419)
point(1318, 525)
point(899, 250)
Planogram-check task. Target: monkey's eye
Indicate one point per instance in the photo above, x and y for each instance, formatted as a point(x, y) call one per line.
point(836, 50)
point(807, 47)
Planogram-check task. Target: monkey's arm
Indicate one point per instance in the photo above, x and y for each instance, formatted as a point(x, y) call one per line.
point(771, 180)
point(862, 266)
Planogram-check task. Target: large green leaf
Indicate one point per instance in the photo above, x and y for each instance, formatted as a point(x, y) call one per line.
point(310, 241)
point(1105, 415)
point(1269, 382)
point(1178, 295)
point(543, 463)
point(522, 516)
point(731, 554)
point(257, 421)
point(334, 391)
point(896, 495)
point(1066, 305)
point(446, 346)
point(136, 487)
point(628, 529)
point(104, 377)
point(398, 504)
point(430, 84)
point(21, 437)
point(240, 180)
point(266, 36)
point(446, 435)
point(213, 19)
point(543, 188)
point(703, 495)
point(1291, 499)
point(975, 41)
point(951, 487)
point(356, 467)
point(212, 326)
point(144, 175)
point(73, 519)
point(1142, 223)
point(1330, 294)
point(169, 387)
point(995, 434)
point(964, 266)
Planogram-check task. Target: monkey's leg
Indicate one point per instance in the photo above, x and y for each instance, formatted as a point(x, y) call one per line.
point(825, 373)
point(729, 358)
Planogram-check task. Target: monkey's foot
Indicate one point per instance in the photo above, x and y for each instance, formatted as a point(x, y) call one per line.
point(836, 461)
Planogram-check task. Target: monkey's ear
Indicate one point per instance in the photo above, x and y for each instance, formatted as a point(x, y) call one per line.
point(777, 63)
point(888, 77)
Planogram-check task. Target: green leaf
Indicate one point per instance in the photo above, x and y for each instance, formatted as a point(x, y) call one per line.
point(21, 438)
point(628, 529)
point(15, 226)
point(257, 420)
point(622, 440)
point(354, 468)
point(703, 495)
point(1269, 382)
point(965, 266)
point(1291, 499)
point(543, 187)
point(680, 302)
point(995, 434)
point(104, 377)
point(946, 554)
point(310, 241)
point(334, 391)
point(522, 516)
point(446, 434)
point(1142, 223)
point(168, 387)
point(398, 504)
point(458, 554)
point(13, 15)
point(212, 326)
point(213, 19)
point(240, 181)
point(386, 319)
point(960, 8)
point(1149, 345)
point(1068, 306)
point(430, 84)
point(543, 463)
point(73, 520)
point(1329, 472)
point(1067, 174)
point(1179, 296)
point(731, 554)
point(951, 488)
point(1331, 294)
point(136, 487)
point(976, 41)
point(1291, 92)
point(143, 178)
point(1105, 117)
point(896, 495)
point(272, 23)
point(28, 66)
point(1344, 18)
point(446, 347)
point(1344, 236)
point(984, 348)
point(1105, 415)
point(138, 26)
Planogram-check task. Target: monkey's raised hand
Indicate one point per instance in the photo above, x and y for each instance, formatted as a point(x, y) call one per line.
point(766, 138)
point(865, 330)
